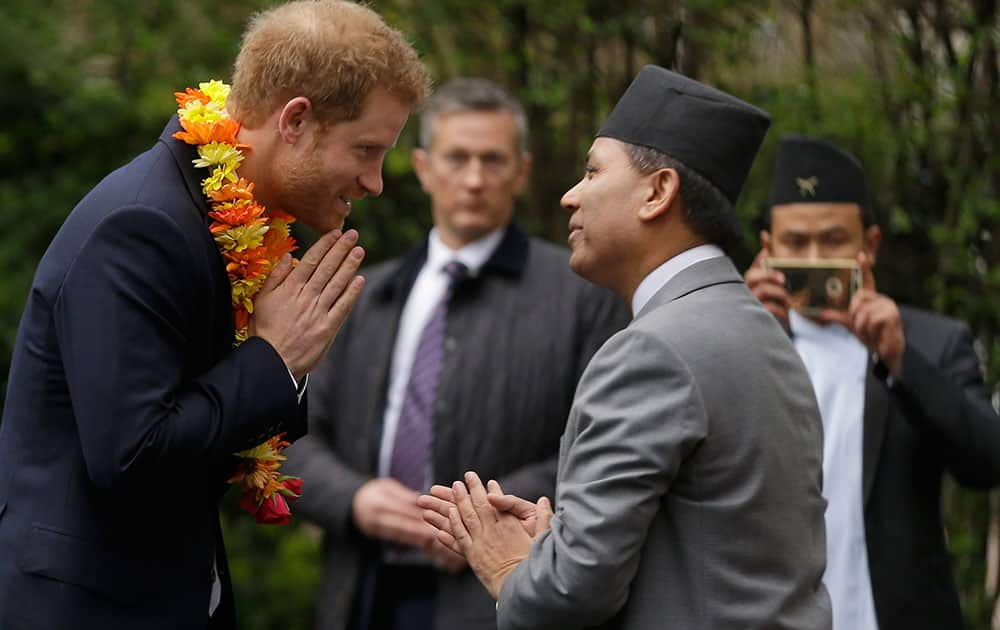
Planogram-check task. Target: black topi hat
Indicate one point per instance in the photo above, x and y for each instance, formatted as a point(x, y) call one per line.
point(814, 171)
point(712, 133)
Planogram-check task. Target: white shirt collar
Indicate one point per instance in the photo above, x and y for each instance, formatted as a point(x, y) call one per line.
point(659, 277)
point(473, 256)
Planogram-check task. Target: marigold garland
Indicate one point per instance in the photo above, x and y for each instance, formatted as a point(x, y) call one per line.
point(252, 239)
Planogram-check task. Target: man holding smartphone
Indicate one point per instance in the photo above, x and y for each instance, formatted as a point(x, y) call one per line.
point(900, 391)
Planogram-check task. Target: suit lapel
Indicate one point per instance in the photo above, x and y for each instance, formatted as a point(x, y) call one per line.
point(183, 155)
point(219, 302)
point(876, 412)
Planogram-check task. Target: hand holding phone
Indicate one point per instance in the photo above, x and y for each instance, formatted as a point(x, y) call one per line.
point(814, 286)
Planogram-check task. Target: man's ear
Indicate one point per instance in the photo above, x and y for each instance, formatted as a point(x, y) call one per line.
point(872, 239)
point(664, 192)
point(420, 158)
point(765, 242)
point(294, 119)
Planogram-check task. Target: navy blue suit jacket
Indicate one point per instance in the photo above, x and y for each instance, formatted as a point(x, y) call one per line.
point(125, 401)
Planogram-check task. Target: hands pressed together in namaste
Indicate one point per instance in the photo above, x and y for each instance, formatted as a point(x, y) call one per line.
point(493, 531)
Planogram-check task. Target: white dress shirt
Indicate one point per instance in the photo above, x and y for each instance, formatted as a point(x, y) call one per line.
point(659, 277)
point(837, 364)
point(428, 290)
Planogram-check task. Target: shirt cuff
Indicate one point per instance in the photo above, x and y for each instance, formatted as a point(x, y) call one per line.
point(300, 388)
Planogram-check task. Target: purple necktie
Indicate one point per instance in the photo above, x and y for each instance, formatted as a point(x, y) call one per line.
point(411, 451)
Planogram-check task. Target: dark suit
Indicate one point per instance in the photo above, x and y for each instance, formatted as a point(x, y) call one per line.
point(125, 401)
point(936, 417)
point(518, 338)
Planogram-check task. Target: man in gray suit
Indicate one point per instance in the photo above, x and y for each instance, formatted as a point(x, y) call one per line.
point(688, 487)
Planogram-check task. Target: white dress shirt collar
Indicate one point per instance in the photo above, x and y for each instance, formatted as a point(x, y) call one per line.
point(473, 256)
point(659, 277)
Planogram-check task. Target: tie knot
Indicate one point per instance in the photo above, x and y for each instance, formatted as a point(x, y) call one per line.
point(456, 271)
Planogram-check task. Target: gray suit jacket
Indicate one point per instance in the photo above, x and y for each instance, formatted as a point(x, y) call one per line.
point(688, 492)
point(519, 335)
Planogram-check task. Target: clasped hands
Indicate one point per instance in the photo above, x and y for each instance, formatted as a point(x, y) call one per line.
point(493, 531)
point(300, 308)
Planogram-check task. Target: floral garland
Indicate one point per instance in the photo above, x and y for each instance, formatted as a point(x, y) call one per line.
point(252, 240)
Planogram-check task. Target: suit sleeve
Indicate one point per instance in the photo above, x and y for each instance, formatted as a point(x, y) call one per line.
point(949, 398)
point(331, 482)
point(123, 318)
point(637, 417)
point(601, 315)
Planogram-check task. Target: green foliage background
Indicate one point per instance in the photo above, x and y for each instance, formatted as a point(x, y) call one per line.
point(911, 87)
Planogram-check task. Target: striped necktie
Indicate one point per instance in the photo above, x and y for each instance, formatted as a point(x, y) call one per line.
point(410, 463)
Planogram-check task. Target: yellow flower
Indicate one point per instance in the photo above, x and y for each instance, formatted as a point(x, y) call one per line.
point(220, 175)
point(279, 226)
point(216, 153)
point(242, 335)
point(215, 90)
point(197, 112)
point(244, 292)
point(240, 237)
point(266, 451)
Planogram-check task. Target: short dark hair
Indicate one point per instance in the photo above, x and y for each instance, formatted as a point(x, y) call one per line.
point(706, 210)
point(467, 94)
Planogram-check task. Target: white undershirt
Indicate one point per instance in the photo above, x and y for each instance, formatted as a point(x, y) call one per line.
point(837, 364)
point(428, 289)
point(659, 277)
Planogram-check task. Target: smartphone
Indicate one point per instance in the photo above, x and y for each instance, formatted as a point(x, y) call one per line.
point(817, 285)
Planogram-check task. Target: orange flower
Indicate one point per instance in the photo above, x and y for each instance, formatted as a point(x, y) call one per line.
point(231, 191)
point(249, 263)
point(191, 94)
point(281, 215)
point(277, 444)
point(225, 133)
point(241, 318)
point(241, 212)
point(199, 133)
point(277, 243)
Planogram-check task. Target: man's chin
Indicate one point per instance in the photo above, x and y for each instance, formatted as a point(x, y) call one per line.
point(322, 225)
point(580, 268)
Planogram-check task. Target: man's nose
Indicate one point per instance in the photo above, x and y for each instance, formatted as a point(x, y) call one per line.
point(472, 175)
point(812, 252)
point(571, 199)
point(371, 180)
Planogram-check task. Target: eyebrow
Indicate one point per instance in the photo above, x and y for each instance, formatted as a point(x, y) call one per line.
point(822, 232)
point(364, 142)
